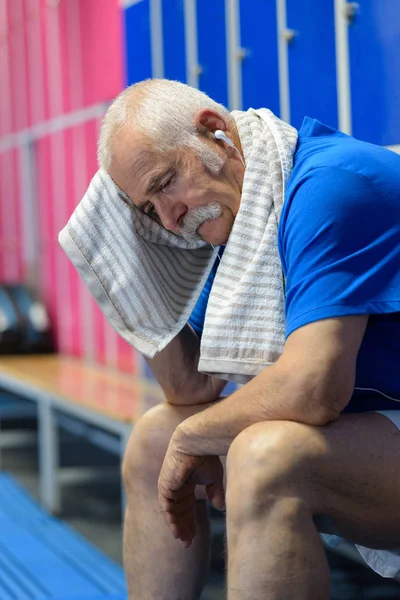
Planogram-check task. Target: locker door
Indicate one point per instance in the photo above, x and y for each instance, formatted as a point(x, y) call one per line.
point(258, 34)
point(374, 48)
point(174, 39)
point(211, 37)
point(312, 61)
point(138, 42)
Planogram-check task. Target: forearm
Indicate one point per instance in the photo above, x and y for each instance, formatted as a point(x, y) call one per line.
point(175, 369)
point(269, 396)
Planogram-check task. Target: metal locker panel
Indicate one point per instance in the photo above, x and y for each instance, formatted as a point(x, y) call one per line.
point(374, 48)
point(312, 61)
point(174, 39)
point(100, 32)
point(138, 42)
point(260, 80)
point(211, 37)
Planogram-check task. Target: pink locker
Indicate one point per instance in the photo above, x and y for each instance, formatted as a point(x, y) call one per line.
point(102, 50)
point(17, 65)
point(47, 266)
point(36, 71)
point(10, 218)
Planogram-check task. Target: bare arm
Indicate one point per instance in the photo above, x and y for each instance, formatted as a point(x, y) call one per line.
point(175, 369)
point(311, 383)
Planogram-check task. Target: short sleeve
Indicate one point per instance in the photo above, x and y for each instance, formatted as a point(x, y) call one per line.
point(340, 248)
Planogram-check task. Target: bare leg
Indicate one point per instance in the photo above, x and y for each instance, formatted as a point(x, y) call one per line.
point(282, 474)
point(277, 554)
point(156, 565)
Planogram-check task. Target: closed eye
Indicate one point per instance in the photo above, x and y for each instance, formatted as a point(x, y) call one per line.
point(165, 184)
point(150, 210)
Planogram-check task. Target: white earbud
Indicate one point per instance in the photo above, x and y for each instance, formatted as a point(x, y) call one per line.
point(220, 135)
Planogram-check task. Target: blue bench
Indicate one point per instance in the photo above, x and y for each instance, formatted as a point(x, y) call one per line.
point(42, 558)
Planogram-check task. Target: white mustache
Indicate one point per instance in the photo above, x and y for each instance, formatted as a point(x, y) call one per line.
point(196, 217)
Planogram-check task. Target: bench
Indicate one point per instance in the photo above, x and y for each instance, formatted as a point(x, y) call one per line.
point(41, 557)
point(99, 404)
point(16, 410)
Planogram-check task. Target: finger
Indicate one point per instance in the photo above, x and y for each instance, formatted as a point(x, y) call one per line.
point(178, 514)
point(182, 525)
point(177, 507)
point(187, 534)
point(216, 495)
point(186, 489)
point(176, 469)
point(183, 519)
point(176, 528)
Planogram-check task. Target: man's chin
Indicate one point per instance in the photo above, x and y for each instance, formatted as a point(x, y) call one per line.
point(215, 238)
point(212, 234)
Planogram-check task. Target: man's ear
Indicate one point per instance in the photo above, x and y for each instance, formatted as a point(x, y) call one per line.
point(208, 120)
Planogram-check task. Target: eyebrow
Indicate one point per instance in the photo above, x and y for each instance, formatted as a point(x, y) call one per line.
point(154, 182)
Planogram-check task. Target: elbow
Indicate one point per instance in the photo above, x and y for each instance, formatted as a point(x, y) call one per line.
point(180, 400)
point(176, 397)
point(327, 410)
point(325, 399)
point(324, 416)
point(189, 399)
point(207, 393)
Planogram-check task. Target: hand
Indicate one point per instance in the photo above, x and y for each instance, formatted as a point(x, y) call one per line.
point(176, 486)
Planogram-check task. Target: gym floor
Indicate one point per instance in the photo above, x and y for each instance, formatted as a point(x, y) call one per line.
point(94, 511)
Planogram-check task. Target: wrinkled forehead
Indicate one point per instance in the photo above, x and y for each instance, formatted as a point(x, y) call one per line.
point(135, 164)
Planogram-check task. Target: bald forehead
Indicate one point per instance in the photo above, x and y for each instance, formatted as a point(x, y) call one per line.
point(128, 146)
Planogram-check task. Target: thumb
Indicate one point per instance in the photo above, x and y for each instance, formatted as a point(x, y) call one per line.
point(216, 495)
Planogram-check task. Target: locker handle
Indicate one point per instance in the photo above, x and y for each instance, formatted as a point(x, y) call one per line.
point(196, 70)
point(351, 10)
point(289, 35)
point(242, 53)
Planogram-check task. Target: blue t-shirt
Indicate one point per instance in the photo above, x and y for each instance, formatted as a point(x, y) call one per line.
point(339, 244)
point(198, 315)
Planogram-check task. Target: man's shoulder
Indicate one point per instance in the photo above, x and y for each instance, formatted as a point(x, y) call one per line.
point(324, 158)
point(322, 184)
point(333, 201)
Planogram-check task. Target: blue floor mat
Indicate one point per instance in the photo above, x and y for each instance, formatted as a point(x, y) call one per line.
point(42, 558)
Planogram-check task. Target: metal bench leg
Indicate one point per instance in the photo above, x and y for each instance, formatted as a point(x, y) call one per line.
point(49, 450)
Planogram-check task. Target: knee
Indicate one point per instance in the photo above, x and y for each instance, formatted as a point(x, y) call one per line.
point(147, 446)
point(267, 461)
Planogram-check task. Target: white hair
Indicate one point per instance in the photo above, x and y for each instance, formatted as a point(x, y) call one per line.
point(164, 111)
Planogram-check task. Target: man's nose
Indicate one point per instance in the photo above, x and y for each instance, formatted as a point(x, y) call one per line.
point(171, 214)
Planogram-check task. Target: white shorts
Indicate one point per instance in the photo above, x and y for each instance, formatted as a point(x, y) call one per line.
point(392, 415)
point(384, 562)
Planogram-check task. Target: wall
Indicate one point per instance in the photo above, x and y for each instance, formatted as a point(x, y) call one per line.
point(329, 59)
point(62, 62)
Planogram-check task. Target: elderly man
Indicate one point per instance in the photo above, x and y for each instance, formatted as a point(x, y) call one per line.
point(303, 298)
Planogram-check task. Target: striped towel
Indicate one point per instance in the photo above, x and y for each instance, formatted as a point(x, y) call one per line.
point(147, 280)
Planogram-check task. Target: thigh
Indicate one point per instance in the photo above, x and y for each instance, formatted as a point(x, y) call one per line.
point(358, 476)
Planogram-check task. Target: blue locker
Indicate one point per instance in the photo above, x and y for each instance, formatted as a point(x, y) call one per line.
point(137, 42)
point(312, 61)
point(374, 48)
point(258, 36)
point(211, 42)
point(174, 39)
